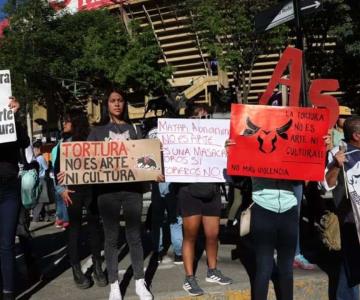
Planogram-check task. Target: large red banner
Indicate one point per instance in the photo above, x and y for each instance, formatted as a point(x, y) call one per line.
point(277, 142)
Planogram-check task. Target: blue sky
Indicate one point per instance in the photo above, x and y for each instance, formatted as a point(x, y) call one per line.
point(1, 5)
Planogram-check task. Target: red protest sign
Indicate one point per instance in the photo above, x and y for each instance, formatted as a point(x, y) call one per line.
point(277, 142)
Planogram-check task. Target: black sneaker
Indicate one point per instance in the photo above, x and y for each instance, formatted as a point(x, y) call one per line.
point(178, 260)
point(191, 286)
point(215, 275)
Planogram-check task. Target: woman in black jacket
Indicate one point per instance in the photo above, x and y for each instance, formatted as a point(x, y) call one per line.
point(76, 128)
point(10, 202)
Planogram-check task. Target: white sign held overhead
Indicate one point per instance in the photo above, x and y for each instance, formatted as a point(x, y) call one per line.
point(7, 118)
point(194, 149)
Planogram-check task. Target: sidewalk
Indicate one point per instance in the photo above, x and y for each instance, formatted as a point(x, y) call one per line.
point(166, 279)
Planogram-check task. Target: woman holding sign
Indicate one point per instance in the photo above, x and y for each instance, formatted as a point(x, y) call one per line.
point(116, 125)
point(200, 204)
point(76, 128)
point(10, 200)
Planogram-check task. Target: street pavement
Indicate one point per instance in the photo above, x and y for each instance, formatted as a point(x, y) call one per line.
point(165, 279)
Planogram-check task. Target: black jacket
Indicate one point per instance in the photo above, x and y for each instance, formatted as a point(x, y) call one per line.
point(10, 153)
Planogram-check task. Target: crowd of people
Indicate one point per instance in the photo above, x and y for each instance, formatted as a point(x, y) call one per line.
point(188, 207)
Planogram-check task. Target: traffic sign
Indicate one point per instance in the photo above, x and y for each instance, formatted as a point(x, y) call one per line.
point(283, 13)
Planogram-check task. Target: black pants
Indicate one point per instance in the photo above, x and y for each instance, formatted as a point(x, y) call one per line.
point(83, 197)
point(270, 231)
point(158, 207)
point(110, 205)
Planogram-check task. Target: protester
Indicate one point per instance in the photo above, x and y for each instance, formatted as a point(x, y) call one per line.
point(299, 260)
point(348, 152)
point(337, 133)
point(10, 203)
point(76, 128)
point(62, 217)
point(163, 199)
point(274, 226)
point(197, 209)
point(42, 208)
point(116, 125)
point(30, 189)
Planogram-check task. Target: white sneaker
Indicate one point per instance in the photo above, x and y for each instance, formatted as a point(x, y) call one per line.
point(142, 291)
point(115, 291)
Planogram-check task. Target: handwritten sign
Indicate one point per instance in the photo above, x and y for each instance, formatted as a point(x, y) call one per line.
point(278, 142)
point(7, 118)
point(193, 149)
point(110, 162)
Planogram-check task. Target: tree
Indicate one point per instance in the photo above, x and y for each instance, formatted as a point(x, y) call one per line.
point(226, 30)
point(91, 48)
point(333, 46)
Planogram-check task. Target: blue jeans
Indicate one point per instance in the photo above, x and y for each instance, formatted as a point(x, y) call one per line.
point(176, 237)
point(61, 210)
point(344, 292)
point(9, 209)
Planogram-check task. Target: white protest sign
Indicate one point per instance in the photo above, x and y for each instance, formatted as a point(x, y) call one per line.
point(193, 149)
point(7, 118)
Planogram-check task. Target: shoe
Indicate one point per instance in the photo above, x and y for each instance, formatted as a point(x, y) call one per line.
point(178, 260)
point(99, 275)
point(215, 275)
point(142, 291)
point(59, 223)
point(164, 259)
point(301, 262)
point(115, 293)
point(8, 296)
point(65, 224)
point(191, 286)
point(81, 281)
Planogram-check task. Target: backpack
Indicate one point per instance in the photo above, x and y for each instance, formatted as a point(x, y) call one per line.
point(30, 188)
point(30, 182)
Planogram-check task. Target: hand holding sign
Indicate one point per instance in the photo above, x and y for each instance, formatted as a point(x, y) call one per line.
point(14, 105)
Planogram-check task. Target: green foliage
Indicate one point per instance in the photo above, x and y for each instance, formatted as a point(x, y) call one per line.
point(226, 30)
point(91, 48)
point(333, 39)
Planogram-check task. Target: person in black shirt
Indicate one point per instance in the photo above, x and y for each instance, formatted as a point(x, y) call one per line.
point(10, 202)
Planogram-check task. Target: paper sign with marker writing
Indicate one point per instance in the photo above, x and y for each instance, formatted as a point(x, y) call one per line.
point(7, 118)
point(193, 149)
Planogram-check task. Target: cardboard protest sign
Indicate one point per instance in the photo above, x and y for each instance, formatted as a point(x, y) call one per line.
point(7, 118)
point(193, 149)
point(110, 162)
point(278, 142)
point(352, 169)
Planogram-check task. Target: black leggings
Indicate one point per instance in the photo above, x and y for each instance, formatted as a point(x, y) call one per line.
point(110, 206)
point(83, 197)
point(270, 231)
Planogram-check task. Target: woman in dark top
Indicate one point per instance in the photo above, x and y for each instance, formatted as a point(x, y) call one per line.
point(116, 125)
point(76, 128)
point(10, 203)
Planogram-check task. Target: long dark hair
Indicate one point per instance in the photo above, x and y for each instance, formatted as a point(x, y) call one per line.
point(79, 123)
point(105, 117)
